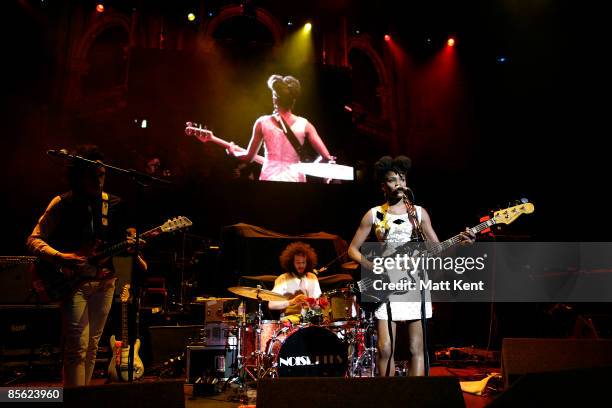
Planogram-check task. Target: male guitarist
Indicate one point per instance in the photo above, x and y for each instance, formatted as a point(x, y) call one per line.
point(396, 222)
point(283, 135)
point(72, 225)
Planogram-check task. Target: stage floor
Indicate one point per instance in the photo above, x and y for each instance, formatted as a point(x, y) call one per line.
point(229, 398)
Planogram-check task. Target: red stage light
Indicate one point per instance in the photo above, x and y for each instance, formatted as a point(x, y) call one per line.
point(387, 37)
point(100, 8)
point(450, 42)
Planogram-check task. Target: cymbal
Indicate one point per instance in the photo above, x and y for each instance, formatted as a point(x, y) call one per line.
point(262, 278)
point(350, 265)
point(200, 299)
point(256, 293)
point(342, 277)
point(325, 170)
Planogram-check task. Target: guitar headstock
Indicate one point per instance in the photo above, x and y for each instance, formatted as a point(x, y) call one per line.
point(508, 215)
point(193, 129)
point(125, 293)
point(176, 224)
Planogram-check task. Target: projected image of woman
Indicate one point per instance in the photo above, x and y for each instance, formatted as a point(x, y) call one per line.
point(275, 133)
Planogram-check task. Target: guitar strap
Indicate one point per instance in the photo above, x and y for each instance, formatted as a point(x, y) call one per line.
point(105, 209)
point(299, 148)
point(417, 232)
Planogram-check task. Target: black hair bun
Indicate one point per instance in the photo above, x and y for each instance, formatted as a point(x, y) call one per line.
point(400, 164)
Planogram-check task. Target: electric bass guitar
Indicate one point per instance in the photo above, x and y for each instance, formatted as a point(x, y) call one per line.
point(118, 368)
point(365, 285)
point(53, 283)
point(204, 135)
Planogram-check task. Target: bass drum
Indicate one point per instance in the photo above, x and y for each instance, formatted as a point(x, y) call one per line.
point(310, 351)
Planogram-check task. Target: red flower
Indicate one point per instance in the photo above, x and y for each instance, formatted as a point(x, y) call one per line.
point(312, 302)
point(323, 302)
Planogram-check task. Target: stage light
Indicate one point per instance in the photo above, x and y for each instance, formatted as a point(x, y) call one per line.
point(450, 42)
point(248, 8)
point(307, 27)
point(100, 8)
point(191, 17)
point(502, 59)
point(290, 23)
point(144, 124)
point(387, 37)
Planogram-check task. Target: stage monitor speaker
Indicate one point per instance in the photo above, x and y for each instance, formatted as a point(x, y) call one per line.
point(166, 393)
point(566, 388)
point(524, 355)
point(171, 341)
point(376, 392)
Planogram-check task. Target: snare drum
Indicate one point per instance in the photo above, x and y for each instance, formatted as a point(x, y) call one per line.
point(249, 336)
point(309, 351)
point(342, 306)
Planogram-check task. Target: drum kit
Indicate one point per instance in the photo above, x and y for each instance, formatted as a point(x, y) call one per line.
point(341, 345)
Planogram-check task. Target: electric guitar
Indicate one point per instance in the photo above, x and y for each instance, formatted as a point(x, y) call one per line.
point(118, 369)
point(53, 283)
point(364, 286)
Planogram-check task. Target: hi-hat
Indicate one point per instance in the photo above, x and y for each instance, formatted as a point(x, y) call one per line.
point(256, 293)
point(342, 277)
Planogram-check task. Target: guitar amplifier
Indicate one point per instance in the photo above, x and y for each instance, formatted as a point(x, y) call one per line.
point(30, 333)
point(218, 334)
point(16, 280)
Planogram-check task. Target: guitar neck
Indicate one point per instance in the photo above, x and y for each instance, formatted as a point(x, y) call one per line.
point(124, 323)
point(443, 246)
point(122, 246)
point(223, 143)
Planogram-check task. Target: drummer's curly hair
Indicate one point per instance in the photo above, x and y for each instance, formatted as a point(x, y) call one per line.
point(298, 248)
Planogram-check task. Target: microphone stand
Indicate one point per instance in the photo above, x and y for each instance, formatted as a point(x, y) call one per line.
point(140, 180)
point(422, 274)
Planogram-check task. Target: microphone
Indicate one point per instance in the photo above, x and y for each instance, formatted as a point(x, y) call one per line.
point(58, 153)
point(407, 191)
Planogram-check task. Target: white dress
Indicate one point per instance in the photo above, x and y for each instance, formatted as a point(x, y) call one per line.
point(400, 232)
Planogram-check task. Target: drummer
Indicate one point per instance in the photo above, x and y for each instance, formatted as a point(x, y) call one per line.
point(297, 283)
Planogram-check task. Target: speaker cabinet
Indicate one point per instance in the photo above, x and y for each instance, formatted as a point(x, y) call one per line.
point(526, 355)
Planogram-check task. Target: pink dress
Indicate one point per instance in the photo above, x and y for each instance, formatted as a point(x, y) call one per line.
point(279, 153)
